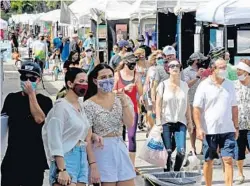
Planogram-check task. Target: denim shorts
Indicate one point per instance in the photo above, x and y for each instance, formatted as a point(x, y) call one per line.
point(225, 142)
point(76, 165)
point(243, 142)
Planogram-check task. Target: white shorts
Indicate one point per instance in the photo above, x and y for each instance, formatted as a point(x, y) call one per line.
point(113, 161)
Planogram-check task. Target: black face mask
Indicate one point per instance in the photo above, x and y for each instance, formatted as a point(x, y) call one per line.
point(129, 49)
point(131, 66)
point(42, 38)
point(91, 36)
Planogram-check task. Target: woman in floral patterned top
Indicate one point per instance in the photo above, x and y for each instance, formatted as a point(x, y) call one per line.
point(243, 98)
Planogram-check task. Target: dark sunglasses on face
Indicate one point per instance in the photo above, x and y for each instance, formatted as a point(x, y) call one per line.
point(159, 58)
point(173, 66)
point(25, 78)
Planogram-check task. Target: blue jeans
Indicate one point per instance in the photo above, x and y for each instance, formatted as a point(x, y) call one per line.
point(76, 165)
point(175, 132)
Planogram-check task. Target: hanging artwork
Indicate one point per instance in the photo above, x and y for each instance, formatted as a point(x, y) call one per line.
point(102, 31)
point(121, 32)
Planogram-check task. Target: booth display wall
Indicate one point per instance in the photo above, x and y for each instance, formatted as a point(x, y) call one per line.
point(112, 33)
point(187, 36)
point(166, 29)
point(167, 32)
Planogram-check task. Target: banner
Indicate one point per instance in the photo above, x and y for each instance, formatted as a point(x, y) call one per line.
point(66, 14)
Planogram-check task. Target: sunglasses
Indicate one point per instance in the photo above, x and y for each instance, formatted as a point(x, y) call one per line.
point(159, 58)
point(25, 78)
point(173, 66)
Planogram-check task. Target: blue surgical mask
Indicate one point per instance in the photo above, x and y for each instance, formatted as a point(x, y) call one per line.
point(160, 62)
point(106, 85)
point(33, 84)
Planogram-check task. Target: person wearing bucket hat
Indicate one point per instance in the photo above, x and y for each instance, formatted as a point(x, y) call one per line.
point(27, 110)
point(193, 76)
point(242, 86)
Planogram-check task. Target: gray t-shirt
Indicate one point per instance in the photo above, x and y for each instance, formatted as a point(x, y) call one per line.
point(160, 74)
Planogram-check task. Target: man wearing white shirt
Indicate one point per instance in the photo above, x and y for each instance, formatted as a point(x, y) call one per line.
point(216, 118)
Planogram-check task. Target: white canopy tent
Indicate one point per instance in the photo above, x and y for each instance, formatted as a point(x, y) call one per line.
point(3, 24)
point(225, 12)
point(51, 16)
point(25, 18)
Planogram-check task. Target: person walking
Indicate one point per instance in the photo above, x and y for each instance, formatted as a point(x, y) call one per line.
point(107, 112)
point(67, 136)
point(242, 86)
point(173, 114)
point(40, 51)
point(27, 110)
point(193, 76)
point(215, 113)
point(128, 80)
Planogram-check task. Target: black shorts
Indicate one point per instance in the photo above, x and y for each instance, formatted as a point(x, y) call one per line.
point(243, 142)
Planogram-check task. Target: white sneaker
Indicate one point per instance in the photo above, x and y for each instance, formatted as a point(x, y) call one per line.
point(240, 180)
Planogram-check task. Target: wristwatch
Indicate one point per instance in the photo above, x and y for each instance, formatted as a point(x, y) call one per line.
point(198, 77)
point(60, 170)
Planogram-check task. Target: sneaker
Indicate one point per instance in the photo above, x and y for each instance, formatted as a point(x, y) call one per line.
point(240, 180)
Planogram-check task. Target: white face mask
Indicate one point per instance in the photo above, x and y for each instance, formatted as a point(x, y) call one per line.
point(89, 54)
point(222, 74)
point(242, 77)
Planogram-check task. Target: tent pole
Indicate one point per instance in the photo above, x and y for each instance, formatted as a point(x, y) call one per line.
point(225, 36)
point(179, 35)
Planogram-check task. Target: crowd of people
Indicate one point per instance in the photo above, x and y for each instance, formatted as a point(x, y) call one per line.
point(81, 138)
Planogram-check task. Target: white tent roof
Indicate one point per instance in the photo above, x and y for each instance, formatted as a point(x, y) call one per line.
point(226, 12)
point(238, 12)
point(25, 18)
point(51, 16)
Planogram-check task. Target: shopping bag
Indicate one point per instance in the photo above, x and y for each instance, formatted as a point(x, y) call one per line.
point(4, 133)
point(153, 151)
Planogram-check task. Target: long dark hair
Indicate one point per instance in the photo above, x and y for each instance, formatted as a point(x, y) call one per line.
point(92, 90)
point(72, 53)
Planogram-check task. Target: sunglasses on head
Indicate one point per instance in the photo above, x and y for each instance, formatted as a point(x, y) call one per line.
point(25, 78)
point(174, 65)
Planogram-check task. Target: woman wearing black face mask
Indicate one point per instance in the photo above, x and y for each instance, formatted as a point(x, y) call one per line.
point(128, 81)
point(67, 136)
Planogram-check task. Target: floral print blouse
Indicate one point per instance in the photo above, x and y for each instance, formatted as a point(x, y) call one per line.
point(243, 100)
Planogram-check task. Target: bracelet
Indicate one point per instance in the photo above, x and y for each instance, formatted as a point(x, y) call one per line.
point(92, 163)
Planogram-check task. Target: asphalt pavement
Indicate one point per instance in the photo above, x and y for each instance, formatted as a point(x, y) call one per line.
point(12, 84)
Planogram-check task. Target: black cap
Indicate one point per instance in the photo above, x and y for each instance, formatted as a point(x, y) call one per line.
point(30, 68)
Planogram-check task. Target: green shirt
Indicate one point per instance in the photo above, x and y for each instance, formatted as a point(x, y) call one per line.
point(231, 72)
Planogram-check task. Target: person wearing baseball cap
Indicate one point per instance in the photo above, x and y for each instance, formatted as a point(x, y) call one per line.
point(192, 76)
point(26, 110)
point(242, 86)
point(169, 52)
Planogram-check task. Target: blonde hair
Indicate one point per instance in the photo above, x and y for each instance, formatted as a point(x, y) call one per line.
point(139, 52)
point(153, 56)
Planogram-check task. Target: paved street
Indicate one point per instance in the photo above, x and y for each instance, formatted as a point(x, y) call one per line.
point(11, 84)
